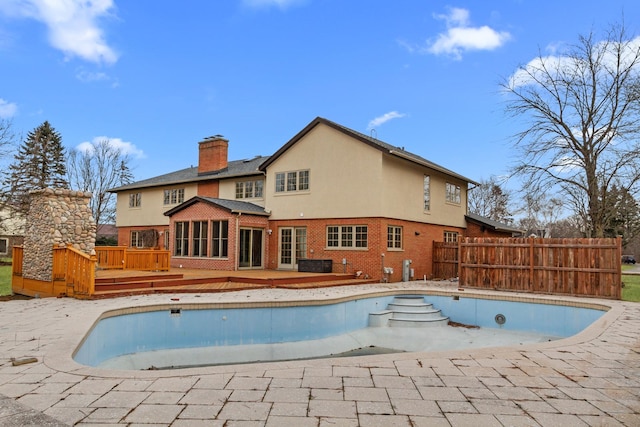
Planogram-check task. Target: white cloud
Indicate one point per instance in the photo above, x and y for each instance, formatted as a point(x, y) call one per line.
point(461, 37)
point(543, 67)
point(282, 4)
point(384, 118)
point(73, 25)
point(117, 143)
point(7, 109)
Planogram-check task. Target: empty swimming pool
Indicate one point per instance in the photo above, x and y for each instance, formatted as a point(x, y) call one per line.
point(181, 335)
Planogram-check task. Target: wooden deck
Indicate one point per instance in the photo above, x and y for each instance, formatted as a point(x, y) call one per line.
point(115, 283)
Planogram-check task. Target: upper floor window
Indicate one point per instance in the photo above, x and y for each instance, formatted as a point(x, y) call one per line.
point(347, 236)
point(135, 200)
point(453, 193)
point(394, 237)
point(451, 236)
point(173, 197)
point(292, 181)
point(427, 192)
point(249, 189)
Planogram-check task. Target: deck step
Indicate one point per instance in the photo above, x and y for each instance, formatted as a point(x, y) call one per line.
point(408, 311)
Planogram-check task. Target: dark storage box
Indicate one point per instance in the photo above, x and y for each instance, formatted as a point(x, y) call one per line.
point(315, 265)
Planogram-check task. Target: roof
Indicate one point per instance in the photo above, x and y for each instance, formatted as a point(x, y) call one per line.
point(233, 206)
point(494, 225)
point(106, 230)
point(373, 142)
point(234, 169)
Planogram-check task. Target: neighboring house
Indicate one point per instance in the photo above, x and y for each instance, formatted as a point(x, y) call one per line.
point(478, 226)
point(106, 234)
point(330, 193)
point(11, 231)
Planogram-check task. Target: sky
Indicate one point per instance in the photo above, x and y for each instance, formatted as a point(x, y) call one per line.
point(155, 77)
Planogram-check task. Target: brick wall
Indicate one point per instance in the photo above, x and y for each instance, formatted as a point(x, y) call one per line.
point(417, 246)
point(477, 230)
point(205, 211)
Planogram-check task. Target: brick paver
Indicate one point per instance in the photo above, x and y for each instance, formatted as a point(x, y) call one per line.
point(590, 379)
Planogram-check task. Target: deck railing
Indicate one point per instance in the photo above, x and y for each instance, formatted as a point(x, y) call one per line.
point(121, 257)
point(75, 269)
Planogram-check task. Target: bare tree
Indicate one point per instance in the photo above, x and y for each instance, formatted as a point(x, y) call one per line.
point(7, 145)
point(490, 201)
point(99, 167)
point(582, 113)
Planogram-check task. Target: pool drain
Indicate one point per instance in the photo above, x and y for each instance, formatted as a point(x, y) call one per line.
point(500, 319)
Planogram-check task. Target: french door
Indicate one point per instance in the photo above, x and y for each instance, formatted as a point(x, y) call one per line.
point(292, 246)
point(250, 248)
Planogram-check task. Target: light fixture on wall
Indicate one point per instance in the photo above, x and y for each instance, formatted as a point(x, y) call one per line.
point(417, 233)
point(269, 231)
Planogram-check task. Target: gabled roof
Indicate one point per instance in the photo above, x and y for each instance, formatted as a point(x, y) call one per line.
point(234, 169)
point(233, 206)
point(494, 225)
point(373, 142)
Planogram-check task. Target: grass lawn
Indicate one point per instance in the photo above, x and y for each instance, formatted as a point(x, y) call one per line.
point(5, 278)
point(631, 290)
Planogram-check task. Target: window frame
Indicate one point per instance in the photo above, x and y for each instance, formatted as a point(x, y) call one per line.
point(199, 239)
point(451, 237)
point(426, 193)
point(292, 181)
point(139, 243)
point(219, 238)
point(181, 236)
point(6, 246)
point(453, 193)
point(395, 238)
point(135, 200)
point(347, 236)
point(173, 196)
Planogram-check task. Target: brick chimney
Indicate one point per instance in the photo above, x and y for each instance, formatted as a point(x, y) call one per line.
point(212, 154)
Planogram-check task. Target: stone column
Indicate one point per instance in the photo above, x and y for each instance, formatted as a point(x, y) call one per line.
point(56, 217)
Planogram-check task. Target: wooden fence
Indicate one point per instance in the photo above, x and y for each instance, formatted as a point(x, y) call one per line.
point(121, 257)
point(581, 267)
point(445, 260)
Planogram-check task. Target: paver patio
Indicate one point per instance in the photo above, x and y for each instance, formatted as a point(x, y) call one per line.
point(591, 379)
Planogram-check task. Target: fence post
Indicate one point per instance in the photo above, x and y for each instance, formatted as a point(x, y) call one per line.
point(531, 263)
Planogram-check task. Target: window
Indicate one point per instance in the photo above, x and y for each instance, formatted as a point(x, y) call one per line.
point(347, 236)
point(200, 234)
point(394, 237)
point(249, 189)
point(166, 239)
point(173, 197)
point(453, 193)
point(4, 246)
point(136, 239)
point(292, 181)
point(259, 186)
point(135, 200)
point(219, 239)
point(451, 236)
point(427, 192)
point(182, 239)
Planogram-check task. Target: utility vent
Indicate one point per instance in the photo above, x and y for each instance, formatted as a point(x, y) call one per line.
point(175, 312)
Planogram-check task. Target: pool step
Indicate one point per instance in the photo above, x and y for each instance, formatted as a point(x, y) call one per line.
point(408, 312)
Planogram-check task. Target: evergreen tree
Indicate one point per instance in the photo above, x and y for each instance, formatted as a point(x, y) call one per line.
point(39, 163)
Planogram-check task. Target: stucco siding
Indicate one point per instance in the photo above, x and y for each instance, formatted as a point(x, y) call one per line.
point(344, 178)
point(152, 207)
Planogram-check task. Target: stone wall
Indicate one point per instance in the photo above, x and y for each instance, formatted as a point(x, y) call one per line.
point(56, 217)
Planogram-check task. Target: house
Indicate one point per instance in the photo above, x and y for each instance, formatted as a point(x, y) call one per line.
point(330, 193)
point(11, 231)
